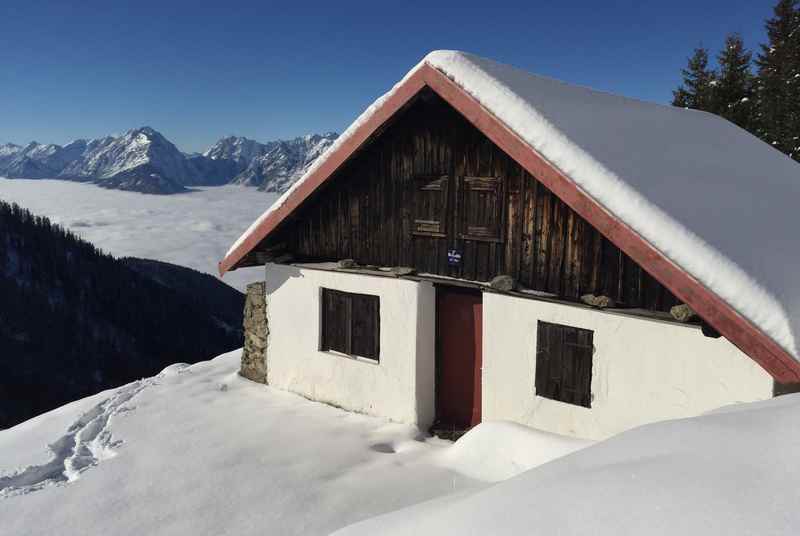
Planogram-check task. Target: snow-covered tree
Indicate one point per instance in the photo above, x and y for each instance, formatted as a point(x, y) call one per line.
point(732, 97)
point(767, 104)
point(698, 83)
point(778, 86)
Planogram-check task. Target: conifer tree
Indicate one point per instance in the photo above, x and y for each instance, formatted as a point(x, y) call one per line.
point(696, 91)
point(778, 88)
point(732, 97)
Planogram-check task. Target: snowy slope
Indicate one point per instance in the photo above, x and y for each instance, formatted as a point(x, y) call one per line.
point(732, 472)
point(715, 200)
point(198, 450)
point(63, 338)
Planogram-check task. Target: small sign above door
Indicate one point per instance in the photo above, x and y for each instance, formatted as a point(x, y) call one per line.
point(453, 257)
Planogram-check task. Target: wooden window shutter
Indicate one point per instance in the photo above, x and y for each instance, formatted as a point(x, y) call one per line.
point(482, 202)
point(350, 323)
point(564, 363)
point(365, 326)
point(430, 205)
point(335, 319)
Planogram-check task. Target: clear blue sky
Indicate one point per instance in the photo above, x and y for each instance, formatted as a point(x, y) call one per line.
point(197, 71)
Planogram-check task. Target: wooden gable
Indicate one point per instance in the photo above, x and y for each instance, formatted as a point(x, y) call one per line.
point(431, 183)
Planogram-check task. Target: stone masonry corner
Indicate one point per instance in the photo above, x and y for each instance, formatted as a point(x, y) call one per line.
point(256, 330)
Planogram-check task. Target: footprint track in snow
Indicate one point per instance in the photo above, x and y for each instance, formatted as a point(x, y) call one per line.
point(87, 442)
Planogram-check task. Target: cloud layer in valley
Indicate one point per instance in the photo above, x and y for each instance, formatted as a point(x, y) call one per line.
point(191, 229)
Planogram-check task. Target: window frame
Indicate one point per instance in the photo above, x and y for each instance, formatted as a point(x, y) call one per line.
point(370, 304)
point(571, 350)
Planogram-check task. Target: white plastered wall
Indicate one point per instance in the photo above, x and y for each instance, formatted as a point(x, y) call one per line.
point(643, 370)
point(399, 387)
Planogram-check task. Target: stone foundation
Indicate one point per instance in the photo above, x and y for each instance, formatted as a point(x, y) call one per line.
point(254, 354)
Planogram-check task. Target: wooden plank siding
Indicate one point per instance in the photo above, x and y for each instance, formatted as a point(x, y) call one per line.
point(376, 211)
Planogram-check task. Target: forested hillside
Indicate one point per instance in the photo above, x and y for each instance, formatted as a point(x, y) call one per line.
point(74, 321)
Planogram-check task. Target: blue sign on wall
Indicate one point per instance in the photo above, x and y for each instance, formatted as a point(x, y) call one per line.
point(453, 257)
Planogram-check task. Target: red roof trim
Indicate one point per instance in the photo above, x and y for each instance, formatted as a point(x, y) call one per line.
point(737, 329)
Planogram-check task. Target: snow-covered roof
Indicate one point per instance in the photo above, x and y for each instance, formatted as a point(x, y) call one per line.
point(706, 207)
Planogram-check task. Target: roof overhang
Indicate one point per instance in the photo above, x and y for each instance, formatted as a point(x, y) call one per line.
point(713, 309)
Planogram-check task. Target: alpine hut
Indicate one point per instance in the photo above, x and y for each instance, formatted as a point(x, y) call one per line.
point(484, 243)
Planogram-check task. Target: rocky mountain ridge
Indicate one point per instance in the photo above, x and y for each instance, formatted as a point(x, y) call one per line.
point(272, 166)
point(143, 160)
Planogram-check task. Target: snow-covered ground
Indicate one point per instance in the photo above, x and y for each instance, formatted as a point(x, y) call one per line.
point(734, 471)
point(198, 450)
point(192, 229)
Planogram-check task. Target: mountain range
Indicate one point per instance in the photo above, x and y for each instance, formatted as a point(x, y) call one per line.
point(143, 160)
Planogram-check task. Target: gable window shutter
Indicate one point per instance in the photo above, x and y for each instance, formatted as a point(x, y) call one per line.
point(430, 205)
point(482, 201)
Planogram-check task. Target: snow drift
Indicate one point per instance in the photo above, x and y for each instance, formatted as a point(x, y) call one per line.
point(734, 471)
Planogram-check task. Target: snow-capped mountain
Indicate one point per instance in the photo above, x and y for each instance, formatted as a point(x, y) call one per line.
point(105, 157)
point(271, 166)
point(238, 149)
point(9, 149)
point(284, 162)
point(7, 152)
point(35, 160)
point(143, 160)
point(139, 160)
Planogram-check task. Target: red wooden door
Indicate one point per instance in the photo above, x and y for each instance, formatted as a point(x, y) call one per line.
point(477, 315)
point(459, 339)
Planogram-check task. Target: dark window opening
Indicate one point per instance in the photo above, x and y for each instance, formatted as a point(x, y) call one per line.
point(350, 323)
point(564, 363)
